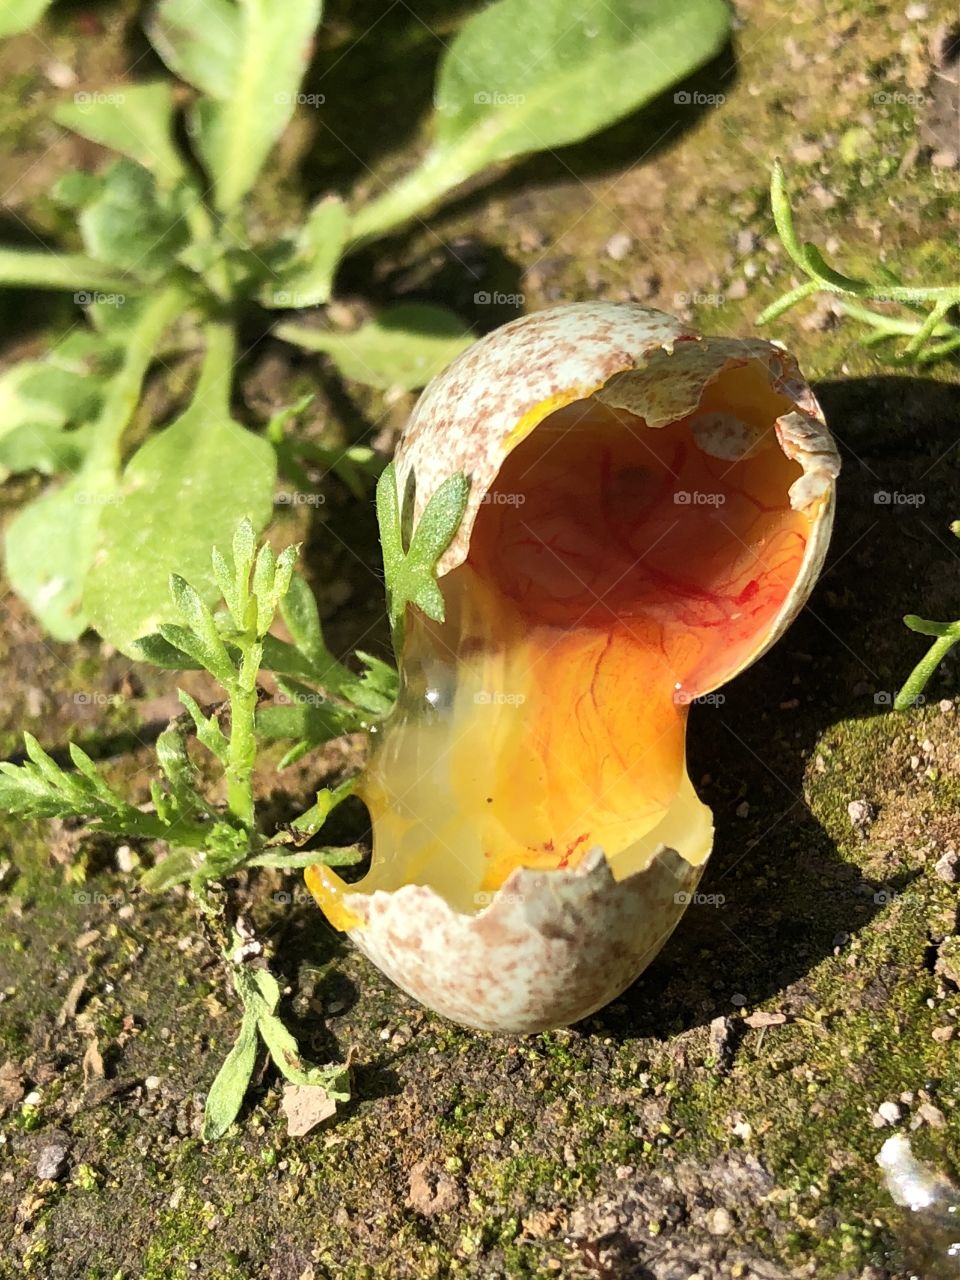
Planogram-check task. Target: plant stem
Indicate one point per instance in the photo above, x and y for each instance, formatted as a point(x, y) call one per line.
point(922, 673)
point(216, 375)
point(241, 754)
point(37, 269)
point(123, 391)
point(439, 172)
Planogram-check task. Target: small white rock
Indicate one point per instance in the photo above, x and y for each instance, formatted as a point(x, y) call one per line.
point(890, 1112)
point(618, 246)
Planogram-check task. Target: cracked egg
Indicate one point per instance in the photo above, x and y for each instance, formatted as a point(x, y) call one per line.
point(648, 511)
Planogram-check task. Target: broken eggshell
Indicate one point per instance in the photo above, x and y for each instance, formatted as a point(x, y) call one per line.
point(648, 511)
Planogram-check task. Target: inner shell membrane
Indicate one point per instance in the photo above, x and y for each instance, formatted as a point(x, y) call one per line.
point(615, 574)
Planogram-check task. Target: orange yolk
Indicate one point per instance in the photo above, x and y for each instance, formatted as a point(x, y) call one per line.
point(615, 574)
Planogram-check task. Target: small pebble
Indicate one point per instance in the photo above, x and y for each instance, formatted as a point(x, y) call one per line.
point(888, 1113)
point(52, 1160)
point(743, 809)
point(618, 246)
point(860, 812)
point(943, 1034)
point(946, 867)
point(719, 1222)
point(916, 12)
point(931, 1115)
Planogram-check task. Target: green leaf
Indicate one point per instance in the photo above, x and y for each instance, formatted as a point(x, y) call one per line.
point(523, 77)
point(17, 16)
point(209, 733)
point(520, 78)
point(313, 722)
point(249, 59)
point(199, 40)
point(347, 856)
point(231, 1083)
point(183, 492)
point(39, 399)
point(299, 610)
point(309, 823)
point(410, 576)
point(405, 346)
point(130, 226)
point(136, 120)
point(177, 767)
point(307, 279)
point(50, 545)
point(176, 868)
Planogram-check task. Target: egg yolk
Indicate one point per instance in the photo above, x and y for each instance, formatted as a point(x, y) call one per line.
point(616, 573)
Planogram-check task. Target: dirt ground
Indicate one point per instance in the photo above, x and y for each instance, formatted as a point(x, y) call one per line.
point(680, 1133)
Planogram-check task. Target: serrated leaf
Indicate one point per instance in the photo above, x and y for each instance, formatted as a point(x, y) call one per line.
point(410, 577)
point(405, 346)
point(231, 1082)
point(135, 120)
point(209, 733)
point(312, 722)
point(182, 493)
point(177, 767)
point(249, 59)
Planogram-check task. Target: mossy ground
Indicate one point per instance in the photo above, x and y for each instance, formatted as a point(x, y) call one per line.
point(640, 1143)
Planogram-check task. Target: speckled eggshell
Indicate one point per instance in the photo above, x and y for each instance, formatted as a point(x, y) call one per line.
point(553, 946)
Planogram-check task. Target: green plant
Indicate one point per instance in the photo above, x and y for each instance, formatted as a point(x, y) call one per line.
point(931, 332)
point(172, 261)
point(932, 336)
point(209, 845)
point(319, 699)
point(945, 635)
